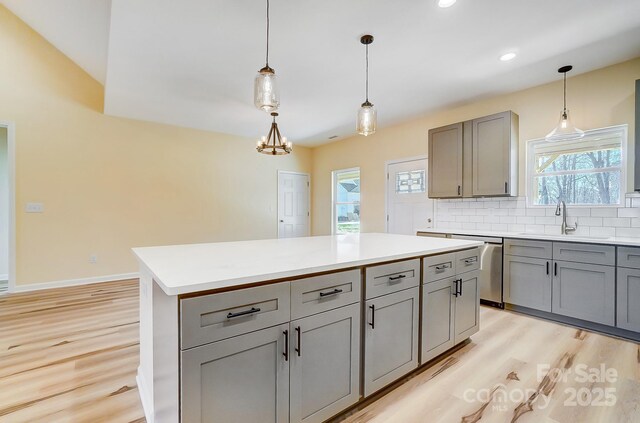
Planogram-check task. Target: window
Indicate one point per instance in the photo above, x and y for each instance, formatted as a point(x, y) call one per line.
point(410, 182)
point(346, 201)
point(590, 171)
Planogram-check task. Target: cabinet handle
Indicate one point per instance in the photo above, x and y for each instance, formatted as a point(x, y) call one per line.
point(471, 260)
point(397, 278)
point(506, 187)
point(459, 190)
point(373, 316)
point(555, 269)
point(243, 313)
point(299, 349)
point(455, 292)
point(286, 345)
point(547, 268)
point(443, 267)
point(460, 280)
point(334, 292)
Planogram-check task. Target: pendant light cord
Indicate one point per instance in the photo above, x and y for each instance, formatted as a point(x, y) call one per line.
point(367, 79)
point(267, 33)
point(564, 104)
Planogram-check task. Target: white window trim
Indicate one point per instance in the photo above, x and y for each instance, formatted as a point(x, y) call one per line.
point(334, 195)
point(624, 147)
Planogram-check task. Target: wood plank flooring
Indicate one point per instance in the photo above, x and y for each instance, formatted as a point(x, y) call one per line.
point(71, 354)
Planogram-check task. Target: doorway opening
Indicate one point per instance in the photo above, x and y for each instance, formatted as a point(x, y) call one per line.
point(293, 204)
point(7, 236)
point(409, 209)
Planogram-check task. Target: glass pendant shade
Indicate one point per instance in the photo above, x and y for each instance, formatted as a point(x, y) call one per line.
point(367, 119)
point(266, 95)
point(565, 129)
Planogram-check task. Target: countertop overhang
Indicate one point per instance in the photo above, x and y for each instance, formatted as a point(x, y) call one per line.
point(184, 269)
point(613, 240)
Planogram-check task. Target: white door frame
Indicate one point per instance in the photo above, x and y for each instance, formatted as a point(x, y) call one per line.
point(291, 172)
point(386, 186)
point(11, 160)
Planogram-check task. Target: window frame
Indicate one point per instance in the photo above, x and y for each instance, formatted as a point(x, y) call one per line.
point(592, 135)
point(334, 199)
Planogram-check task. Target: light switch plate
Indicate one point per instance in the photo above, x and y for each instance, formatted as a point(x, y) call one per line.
point(35, 208)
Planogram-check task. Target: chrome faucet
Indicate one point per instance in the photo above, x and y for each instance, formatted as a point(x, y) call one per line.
point(565, 229)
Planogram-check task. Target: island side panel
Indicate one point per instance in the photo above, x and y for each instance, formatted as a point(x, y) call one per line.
point(158, 374)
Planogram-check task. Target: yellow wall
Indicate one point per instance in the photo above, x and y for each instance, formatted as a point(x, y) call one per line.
point(109, 184)
point(596, 99)
point(4, 205)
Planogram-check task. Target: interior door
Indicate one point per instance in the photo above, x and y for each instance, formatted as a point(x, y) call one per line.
point(408, 206)
point(293, 204)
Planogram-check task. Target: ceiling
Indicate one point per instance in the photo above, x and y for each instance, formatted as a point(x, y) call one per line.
point(192, 62)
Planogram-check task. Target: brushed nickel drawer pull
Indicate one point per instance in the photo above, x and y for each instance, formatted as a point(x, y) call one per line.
point(471, 260)
point(442, 267)
point(397, 278)
point(243, 313)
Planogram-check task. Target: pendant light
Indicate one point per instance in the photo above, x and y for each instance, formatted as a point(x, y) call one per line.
point(565, 129)
point(265, 90)
point(367, 115)
point(274, 144)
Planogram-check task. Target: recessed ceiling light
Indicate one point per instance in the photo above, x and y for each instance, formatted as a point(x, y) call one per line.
point(508, 56)
point(446, 3)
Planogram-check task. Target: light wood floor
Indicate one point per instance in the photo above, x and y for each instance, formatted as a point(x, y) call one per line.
point(70, 355)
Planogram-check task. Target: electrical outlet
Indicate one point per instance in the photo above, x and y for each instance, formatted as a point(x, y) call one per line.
point(35, 208)
point(93, 259)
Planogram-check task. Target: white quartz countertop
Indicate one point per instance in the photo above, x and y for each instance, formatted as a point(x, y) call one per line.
point(635, 242)
point(183, 269)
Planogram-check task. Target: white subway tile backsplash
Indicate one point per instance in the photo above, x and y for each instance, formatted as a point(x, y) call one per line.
point(517, 212)
point(526, 220)
point(590, 221)
point(604, 232)
point(516, 228)
point(604, 212)
point(468, 225)
point(629, 212)
point(536, 212)
point(507, 219)
point(545, 220)
point(476, 219)
point(628, 232)
point(617, 222)
point(499, 227)
point(508, 204)
point(462, 218)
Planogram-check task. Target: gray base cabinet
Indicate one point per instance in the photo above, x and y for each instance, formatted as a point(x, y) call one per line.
point(584, 291)
point(325, 364)
point(241, 379)
point(628, 297)
point(467, 307)
point(527, 282)
point(391, 338)
point(438, 306)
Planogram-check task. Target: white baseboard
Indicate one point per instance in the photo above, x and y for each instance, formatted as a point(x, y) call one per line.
point(144, 398)
point(74, 282)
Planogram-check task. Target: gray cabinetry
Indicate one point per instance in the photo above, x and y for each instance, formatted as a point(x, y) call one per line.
point(628, 297)
point(476, 158)
point(437, 318)
point(467, 306)
point(391, 338)
point(527, 282)
point(241, 379)
point(584, 291)
point(445, 161)
point(495, 154)
point(325, 364)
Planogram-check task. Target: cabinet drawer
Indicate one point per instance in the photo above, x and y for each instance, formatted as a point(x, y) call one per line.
point(585, 253)
point(629, 257)
point(439, 267)
point(393, 277)
point(467, 260)
point(528, 248)
point(218, 316)
point(321, 293)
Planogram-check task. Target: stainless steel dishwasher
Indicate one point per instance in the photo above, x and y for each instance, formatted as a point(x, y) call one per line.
point(490, 269)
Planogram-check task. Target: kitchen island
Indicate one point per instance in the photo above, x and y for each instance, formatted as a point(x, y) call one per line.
point(295, 329)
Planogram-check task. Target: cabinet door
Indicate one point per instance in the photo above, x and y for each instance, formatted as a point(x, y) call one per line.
point(437, 318)
point(240, 379)
point(467, 306)
point(391, 338)
point(629, 299)
point(445, 161)
point(527, 282)
point(584, 291)
point(325, 364)
point(492, 155)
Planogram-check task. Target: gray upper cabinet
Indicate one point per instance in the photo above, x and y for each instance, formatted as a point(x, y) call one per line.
point(255, 373)
point(495, 155)
point(445, 161)
point(325, 364)
point(527, 282)
point(584, 291)
point(628, 297)
point(477, 158)
point(391, 338)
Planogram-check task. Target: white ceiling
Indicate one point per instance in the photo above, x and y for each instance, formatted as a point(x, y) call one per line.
point(192, 62)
